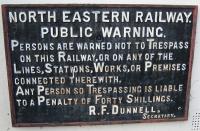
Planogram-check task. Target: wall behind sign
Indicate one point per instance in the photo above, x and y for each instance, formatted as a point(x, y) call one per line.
point(194, 109)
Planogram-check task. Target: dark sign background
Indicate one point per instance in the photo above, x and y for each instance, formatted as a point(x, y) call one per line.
point(78, 114)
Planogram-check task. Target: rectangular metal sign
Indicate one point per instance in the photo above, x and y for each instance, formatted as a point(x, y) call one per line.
point(98, 64)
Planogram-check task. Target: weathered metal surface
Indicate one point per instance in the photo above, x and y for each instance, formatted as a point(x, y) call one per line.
point(147, 63)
